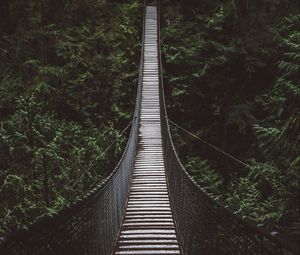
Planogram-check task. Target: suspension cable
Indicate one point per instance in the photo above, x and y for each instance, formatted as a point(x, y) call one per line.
point(118, 136)
point(210, 145)
point(112, 143)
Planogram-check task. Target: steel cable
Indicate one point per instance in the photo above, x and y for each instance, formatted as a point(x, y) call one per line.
point(91, 225)
point(210, 145)
point(204, 225)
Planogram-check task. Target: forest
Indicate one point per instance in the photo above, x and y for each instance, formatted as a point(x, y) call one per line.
point(232, 75)
point(68, 75)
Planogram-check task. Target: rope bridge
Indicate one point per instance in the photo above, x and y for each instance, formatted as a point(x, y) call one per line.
point(149, 204)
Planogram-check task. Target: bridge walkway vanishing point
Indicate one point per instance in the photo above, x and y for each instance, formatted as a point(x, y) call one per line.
point(148, 226)
point(149, 204)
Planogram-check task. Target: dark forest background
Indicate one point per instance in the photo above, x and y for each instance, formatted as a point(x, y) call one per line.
point(68, 76)
point(232, 77)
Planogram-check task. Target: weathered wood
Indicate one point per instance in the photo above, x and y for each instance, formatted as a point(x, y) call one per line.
point(148, 226)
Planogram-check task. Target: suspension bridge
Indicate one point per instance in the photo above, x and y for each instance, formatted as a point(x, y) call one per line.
point(149, 204)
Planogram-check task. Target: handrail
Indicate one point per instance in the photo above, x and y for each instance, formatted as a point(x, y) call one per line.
point(206, 226)
point(89, 225)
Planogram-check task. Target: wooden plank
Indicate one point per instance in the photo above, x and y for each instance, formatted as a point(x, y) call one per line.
point(148, 226)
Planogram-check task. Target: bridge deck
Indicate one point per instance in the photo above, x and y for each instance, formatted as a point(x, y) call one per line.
point(148, 226)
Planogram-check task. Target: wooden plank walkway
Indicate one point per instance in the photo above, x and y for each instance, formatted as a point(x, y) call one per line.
point(148, 226)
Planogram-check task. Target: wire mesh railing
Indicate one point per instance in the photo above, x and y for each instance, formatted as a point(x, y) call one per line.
point(90, 225)
point(87, 227)
point(204, 225)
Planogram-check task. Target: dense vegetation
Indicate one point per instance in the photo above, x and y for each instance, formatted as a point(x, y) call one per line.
point(232, 77)
point(68, 75)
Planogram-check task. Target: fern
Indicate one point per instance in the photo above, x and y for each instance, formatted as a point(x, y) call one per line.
point(278, 134)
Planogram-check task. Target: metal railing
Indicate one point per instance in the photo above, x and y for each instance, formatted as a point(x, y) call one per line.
point(91, 224)
point(204, 225)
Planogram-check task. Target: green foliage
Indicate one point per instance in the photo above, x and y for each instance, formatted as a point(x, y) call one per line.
point(260, 194)
point(278, 133)
point(204, 174)
point(232, 77)
point(68, 78)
